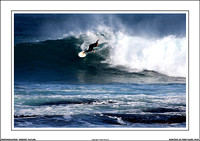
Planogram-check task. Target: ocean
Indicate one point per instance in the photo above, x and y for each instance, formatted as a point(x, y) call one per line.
point(135, 79)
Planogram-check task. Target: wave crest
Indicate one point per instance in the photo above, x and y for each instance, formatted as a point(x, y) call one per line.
point(119, 58)
point(165, 55)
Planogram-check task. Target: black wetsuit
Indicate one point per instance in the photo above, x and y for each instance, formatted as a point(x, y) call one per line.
point(91, 46)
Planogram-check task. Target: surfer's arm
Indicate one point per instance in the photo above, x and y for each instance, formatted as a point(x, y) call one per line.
point(97, 41)
point(93, 50)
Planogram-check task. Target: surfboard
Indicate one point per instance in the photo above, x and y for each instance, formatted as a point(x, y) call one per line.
point(82, 54)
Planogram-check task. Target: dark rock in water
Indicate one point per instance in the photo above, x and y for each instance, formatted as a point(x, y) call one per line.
point(150, 118)
point(36, 116)
point(161, 110)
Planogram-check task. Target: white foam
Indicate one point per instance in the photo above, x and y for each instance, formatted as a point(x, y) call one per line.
point(166, 55)
point(92, 36)
point(67, 117)
point(119, 119)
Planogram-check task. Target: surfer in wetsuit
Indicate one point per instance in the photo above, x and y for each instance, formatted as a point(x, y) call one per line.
point(91, 46)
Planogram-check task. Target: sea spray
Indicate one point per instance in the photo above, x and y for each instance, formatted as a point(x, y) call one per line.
point(165, 55)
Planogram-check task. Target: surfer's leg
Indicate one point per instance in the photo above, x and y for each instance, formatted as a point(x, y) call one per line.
point(90, 49)
point(87, 50)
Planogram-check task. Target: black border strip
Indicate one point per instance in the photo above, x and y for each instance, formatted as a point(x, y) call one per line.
point(188, 74)
point(96, 129)
point(0, 70)
point(199, 70)
point(96, 11)
point(12, 77)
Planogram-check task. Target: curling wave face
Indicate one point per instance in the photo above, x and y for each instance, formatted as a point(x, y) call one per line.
point(119, 58)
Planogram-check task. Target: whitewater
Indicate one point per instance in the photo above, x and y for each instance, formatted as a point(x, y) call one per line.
point(165, 55)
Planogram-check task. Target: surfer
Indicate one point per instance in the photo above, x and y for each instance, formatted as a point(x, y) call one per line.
point(91, 46)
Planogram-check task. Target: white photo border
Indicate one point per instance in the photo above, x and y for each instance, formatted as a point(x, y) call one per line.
point(102, 12)
point(7, 6)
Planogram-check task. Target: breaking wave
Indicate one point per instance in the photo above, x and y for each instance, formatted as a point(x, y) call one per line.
point(118, 54)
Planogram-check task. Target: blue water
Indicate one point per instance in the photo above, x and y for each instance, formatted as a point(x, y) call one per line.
point(95, 105)
point(54, 88)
